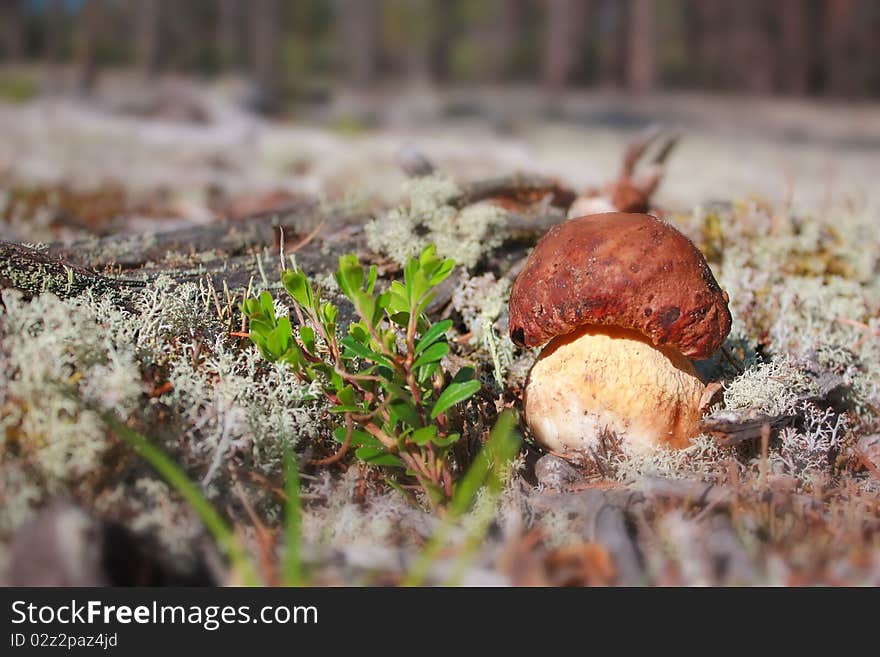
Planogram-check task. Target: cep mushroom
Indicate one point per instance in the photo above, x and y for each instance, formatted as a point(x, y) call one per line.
point(622, 303)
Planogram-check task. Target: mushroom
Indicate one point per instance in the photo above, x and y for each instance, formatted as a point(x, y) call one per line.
point(622, 303)
point(631, 191)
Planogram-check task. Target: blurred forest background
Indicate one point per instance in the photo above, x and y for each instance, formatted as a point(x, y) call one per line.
point(300, 48)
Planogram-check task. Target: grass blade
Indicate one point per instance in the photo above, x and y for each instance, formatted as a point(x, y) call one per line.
point(177, 478)
point(292, 567)
point(487, 470)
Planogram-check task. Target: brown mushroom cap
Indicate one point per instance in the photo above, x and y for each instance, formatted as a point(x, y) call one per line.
point(628, 270)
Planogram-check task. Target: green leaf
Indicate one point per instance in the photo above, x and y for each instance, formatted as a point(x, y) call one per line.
point(433, 334)
point(298, 286)
point(278, 341)
point(307, 335)
point(424, 435)
point(425, 372)
point(366, 353)
point(464, 374)
point(490, 464)
point(347, 401)
point(432, 354)
point(454, 394)
point(442, 272)
point(440, 441)
point(377, 456)
point(329, 312)
point(350, 275)
point(399, 299)
point(267, 306)
point(371, 279)
point(359, 332)
point(401, 409)
point(401, 319)
point(251, 307)
point(358, 438)
point(261, 327)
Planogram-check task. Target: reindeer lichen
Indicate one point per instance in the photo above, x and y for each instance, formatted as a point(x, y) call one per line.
point(427, 216)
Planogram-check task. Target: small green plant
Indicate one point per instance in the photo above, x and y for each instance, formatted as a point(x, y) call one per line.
point(384, 376)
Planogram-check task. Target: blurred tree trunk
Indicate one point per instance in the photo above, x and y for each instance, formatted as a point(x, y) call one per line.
point(795, 50)
point(228, 36)
point(420, 41)
point(358, 29)
point(497, 37)
point(148, 28)
point(610, 19)
point(88, 32)
point(563, 36)
point(641, 69)
point(264, 53)
point(12, 21)
point(753, 53)
point(713, 65)
point(842, 48)
point(55, 19)
point(441, 39)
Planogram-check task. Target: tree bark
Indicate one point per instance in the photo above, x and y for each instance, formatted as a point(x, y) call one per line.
point(88, 33)
point(358, 30)
point(563, 42)
point(794, 57)
point(55, 18)
point(753, 52)
point(149, 17)
point(641, 69)
point(842, 48)
point(228, 34)
point(264, 48)
point(12, 19)
point(610, 18)
point(496, 38)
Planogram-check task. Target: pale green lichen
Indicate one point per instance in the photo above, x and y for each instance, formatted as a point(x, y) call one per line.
point(806, 452)
point(481, 301)
point(59, 354)
point(427, 216)
point(699, 460)
point(66, 361)
point(234, 401)
point(773, 388)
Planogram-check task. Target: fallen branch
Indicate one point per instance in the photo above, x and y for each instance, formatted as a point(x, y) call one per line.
point(34, 272)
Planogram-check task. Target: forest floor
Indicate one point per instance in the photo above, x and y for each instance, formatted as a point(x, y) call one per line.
point(180, 192)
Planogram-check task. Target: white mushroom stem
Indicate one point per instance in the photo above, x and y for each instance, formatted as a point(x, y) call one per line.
point(601, 380)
